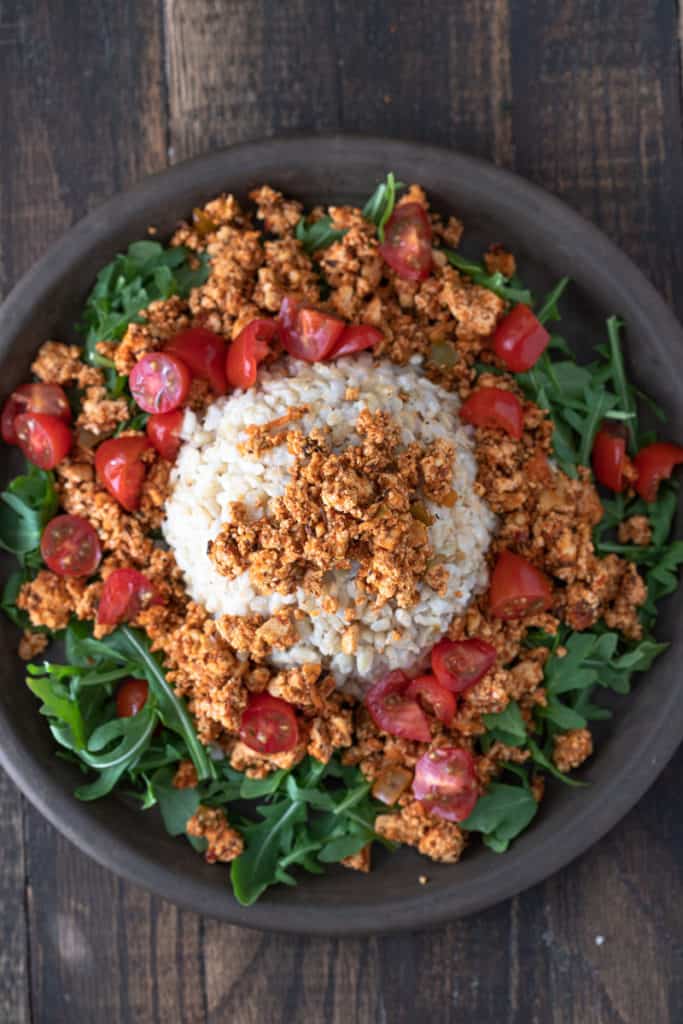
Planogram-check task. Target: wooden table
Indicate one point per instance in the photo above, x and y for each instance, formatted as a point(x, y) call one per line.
point(581, 96)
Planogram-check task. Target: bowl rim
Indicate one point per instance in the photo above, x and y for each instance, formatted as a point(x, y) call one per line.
point(612, 272)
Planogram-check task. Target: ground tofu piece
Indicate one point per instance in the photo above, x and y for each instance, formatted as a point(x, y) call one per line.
point(185, 776)
point(100, 415)
point(32, 644)
point(636, 530)
point(571, 749)
point(50, 600)
point(57, 363)
point(441, 840)
point(224, 843)
point(359, 861)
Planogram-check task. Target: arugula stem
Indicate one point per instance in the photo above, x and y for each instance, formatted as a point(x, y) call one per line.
point(548, 310)
point(614, 325)
point(205, 769)
point(354, 797)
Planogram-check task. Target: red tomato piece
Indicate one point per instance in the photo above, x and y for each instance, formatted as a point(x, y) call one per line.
point(43, 439)
point(269, 724)
point(609, 455)
point(119, 468)
point(308, 333)
point(520, 339)
point(163, 430)
point(204, 352)
point(70, 546)
point(44, 398)
point(131, 697)
point(394, 712)
point(159, 382)
point(654, 464)
point(356, 338)
point(407, 245)
point(445, 783)
point(249, 348)
point(428, 691)
point(125, 593)
point(494, 407)
point(518, 588)
point(459, 664)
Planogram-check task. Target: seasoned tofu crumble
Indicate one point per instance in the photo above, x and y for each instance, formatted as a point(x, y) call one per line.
point(322, 528)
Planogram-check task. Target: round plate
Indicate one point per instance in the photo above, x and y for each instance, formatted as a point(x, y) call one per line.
point(550, 241)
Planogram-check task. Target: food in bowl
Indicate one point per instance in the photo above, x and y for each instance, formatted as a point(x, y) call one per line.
point(312, 513)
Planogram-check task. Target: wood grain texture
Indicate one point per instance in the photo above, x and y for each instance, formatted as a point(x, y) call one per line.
point(582, 96)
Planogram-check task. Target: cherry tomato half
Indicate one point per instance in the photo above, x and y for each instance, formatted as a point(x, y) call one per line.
point(407, 245)
point(654, 464)
point(249, 348)
point(394, 712)
point(125, 593)
point(308, 333)
point(520, 339)
point(269, 724)
point(356, 338)
point(159, 382)
point(437, 699)
point(131, 697)
point(609, 455)
point(518, 588)
point(44, 398)
point(445, 783)
point(496, 408)
point(70, 546)
point(163, 430)
point(204, 352)
point(459, 664)
point(43, 439)
point(120, 469)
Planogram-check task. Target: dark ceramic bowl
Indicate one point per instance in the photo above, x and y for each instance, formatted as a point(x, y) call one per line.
point(550, 241)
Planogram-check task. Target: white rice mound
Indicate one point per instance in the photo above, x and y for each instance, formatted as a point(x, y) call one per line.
point(210, 474)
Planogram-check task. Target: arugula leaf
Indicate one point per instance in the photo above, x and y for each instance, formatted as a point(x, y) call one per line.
point(548, 309)
point(496, 282)
point(507, 726)
point(145, 272)
point(380, 205)
point(173, 712)
point(501, 814)
point(29, 502)
point(57, 704)
point(318, 234)
point(176, 805)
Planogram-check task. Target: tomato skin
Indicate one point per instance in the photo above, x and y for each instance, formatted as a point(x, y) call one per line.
point(159, 382)
point(269, 724)
point(163, 430)
point(438, 699)
point(355, 338)
point(249, 348)
point(45, 398)
point(655, 463)
point(407, 245)
point(393, 712)
point(445, 783)
point(517, 588)
point(494, 407)
point(459, 664)
point(520, 339)
point(131, 697)
point(306, 332)
point(609, 455)
point(204, 353)
point(70, 546)
point(43, 439)
point(119, 468)
point(124, 594)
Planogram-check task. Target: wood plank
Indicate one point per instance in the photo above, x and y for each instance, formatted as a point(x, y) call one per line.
point(232, 74)
point(14, 948)
point(82, 116)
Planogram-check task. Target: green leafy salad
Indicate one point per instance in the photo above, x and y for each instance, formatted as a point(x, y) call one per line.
point(314, 814)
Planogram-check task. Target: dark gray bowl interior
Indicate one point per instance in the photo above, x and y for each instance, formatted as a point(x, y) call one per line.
point(550, 241)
